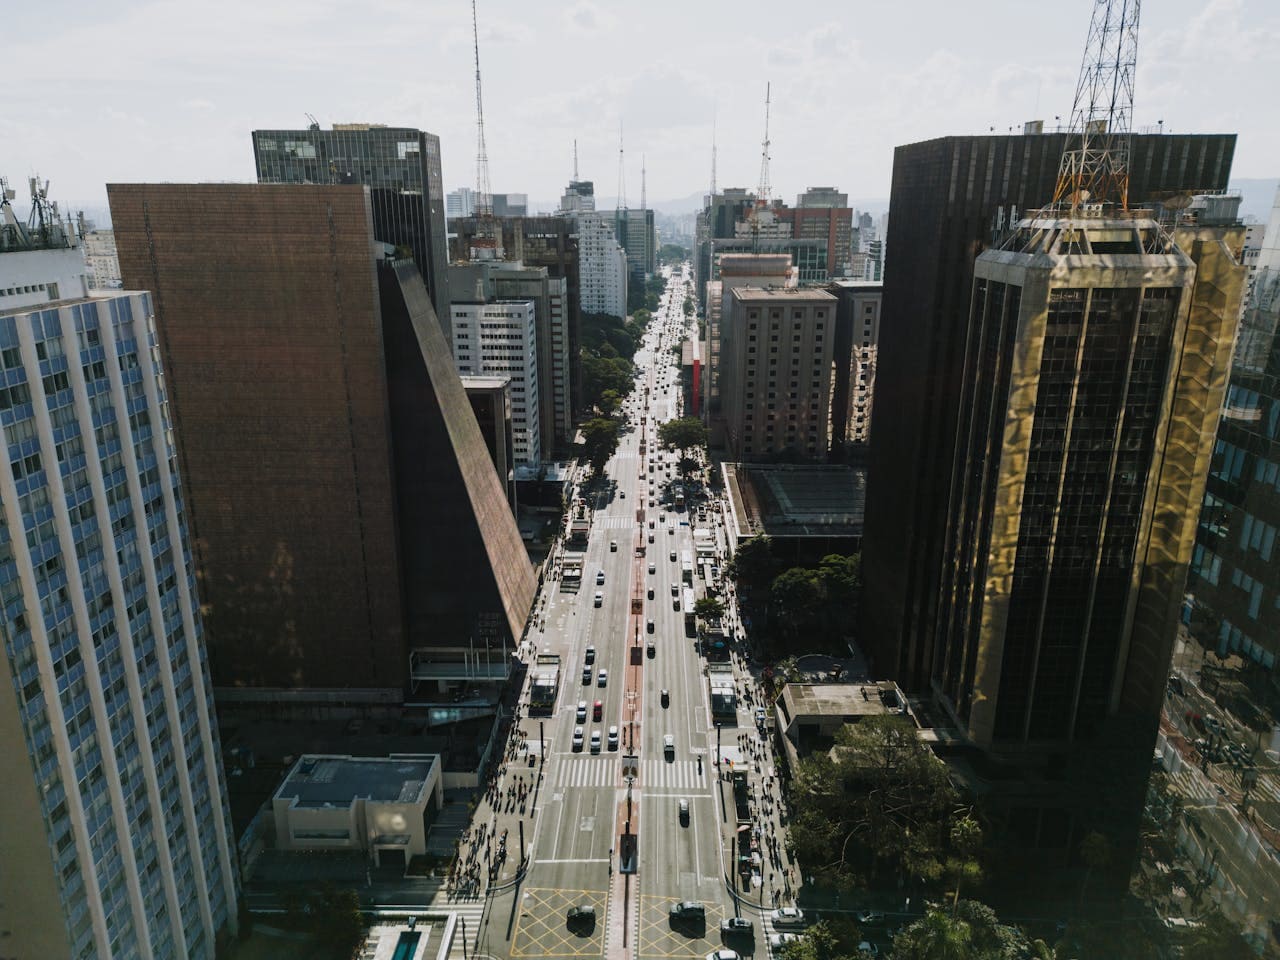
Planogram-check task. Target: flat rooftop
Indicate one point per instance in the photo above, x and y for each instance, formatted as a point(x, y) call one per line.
point(790, 294)
point(479, 382)
point(840, 699)
point(318, 780)
point(798, 500)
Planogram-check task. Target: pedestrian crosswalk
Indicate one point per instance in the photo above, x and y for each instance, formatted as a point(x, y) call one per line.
point(676, 775)
point(615, 523)
point(587, 771)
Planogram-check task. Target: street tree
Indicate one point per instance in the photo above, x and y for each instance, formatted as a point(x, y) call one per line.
point(962, 864)
point(599, 442)
point(609, 402)
point(1217, 938)
point(753, 565)
point(687, 433)
point(709, 608)
point(1095, 851)
point(818, 943)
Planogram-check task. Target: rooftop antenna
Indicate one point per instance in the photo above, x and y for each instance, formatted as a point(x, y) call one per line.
point(762, 195)
point(315, 124)
point(575, 159)
point(713, 151)
point(1095, 164)
point(487, 235)
point(643, 195)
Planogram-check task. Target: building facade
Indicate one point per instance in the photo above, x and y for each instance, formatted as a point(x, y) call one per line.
point(1233, 581)
point(603, 265)
point(401, 165)
point(548, 245)
point(824, 213)
point(776, 348)
point(857, 336)
point(635, 233)
point(344, 510)
point(101, 260)
point(579, 197)
point(948, 197)
point(498, 338)
point(490, 399)
point(117, 837)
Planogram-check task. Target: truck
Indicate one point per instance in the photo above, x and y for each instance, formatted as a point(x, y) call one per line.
point(724, 694)
point(545, 685)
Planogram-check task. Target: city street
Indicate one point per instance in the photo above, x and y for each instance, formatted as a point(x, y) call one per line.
point(626, 837)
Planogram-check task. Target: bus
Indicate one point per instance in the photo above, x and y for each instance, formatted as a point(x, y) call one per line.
point(686, 566)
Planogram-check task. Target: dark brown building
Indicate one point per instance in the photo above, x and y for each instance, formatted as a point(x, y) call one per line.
point(286, 399)
point(948, 198)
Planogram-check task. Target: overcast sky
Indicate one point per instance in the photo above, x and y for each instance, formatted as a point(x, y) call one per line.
point(135, 91)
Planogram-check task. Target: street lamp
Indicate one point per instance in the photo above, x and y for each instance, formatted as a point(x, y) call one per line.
point(717, 743)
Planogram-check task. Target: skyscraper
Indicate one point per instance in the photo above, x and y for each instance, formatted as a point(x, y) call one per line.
point(116, 837)
point(401, 165)
point(320, 447)
point(948, 197)
point(1233, 566)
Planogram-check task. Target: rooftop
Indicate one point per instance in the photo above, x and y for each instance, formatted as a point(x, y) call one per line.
point(782, 293)
point(841, 699)
point(320, 780)
point(483, 382)
point(798, 500)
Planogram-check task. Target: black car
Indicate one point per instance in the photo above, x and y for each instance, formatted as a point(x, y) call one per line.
point(581, 915)
point(688, 910)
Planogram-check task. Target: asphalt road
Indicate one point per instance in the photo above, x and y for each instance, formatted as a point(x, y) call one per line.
point(583, 805)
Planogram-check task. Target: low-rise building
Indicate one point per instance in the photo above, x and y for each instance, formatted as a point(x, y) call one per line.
point(378, 805)
point(809, 715)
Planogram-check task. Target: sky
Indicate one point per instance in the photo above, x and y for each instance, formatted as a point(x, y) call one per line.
point(130, 91)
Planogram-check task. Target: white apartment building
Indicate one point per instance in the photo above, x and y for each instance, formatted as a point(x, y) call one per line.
point(115, 834)
point(500, 338)
point(101, 260)
point(602, 265)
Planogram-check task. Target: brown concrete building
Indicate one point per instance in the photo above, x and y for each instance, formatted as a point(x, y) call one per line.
point(775, 359)
point(302, 435)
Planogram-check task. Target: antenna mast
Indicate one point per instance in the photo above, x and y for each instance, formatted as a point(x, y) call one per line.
point(1095, 163)
point(487, 234)
point(713, 151)
point(762, 194)
point(575, 158)
point(621, 202)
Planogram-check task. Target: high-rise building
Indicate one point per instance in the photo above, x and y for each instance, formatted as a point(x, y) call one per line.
point(460, 203)
point(495, 334)
point(831, 224)
point(116, 838)
point(948, 197)
point(857, 336)
point(401, 165)
point(635, 232)
point(1233, 582)
point(1094, 368)
point(101, 260)
point(490, 399)
point(776, 348)
point(717, 221)
point(822, 197)
point(547, 244)
point(735, 270)
point(510, 204)
point(579, 197)
point(603, 265)
point(345, 513)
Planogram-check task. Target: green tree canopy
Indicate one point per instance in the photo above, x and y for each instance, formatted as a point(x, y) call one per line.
point(609, 402)
point(1217, 938)
point(687, 433)
point(709, 608)
point(599, 442)
point(753, 566)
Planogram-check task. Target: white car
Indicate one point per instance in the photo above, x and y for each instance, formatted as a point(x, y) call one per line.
point(723, 955)
point(778, 940)
point(652, 569)
point(600, 579)
point(581, 715)
point(595, 741)
point(669, 745)
point(603, 679)
point(599, 600)
point(613, 738)
point(787, 917)
point(577, 738)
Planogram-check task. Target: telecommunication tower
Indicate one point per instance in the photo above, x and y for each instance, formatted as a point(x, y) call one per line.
point(488, 236)
point(762, 193)
point(1095, 164)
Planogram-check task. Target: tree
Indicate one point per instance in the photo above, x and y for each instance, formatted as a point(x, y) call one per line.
point(1217, 938)
point(879, 801)
point(688, 306)
point(688, 467)
point(936, 936)
point(796, 599)
point(599, 442)
point(966, 841)
point(609, 402)
point(818, 943)
point(340, 924)
point(1095, 851)
point(709, 608)
point(687, 433)
point(753, 566)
